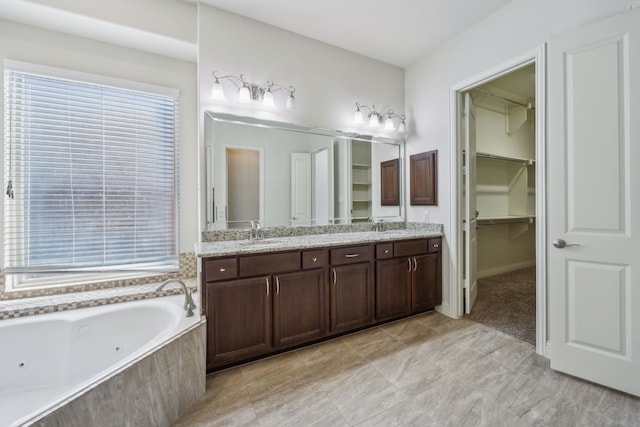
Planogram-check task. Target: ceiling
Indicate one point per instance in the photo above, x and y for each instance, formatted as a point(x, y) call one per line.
point(396, 32)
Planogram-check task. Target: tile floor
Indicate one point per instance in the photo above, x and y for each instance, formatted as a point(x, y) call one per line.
point(428, 370)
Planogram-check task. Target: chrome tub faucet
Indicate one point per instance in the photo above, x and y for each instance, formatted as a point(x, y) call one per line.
point(189, 305)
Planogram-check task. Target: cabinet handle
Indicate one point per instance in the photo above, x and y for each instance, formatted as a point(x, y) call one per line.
point(267, 280)
point(415, 264)
point(314, 259)
point(335, 276)
point(351, 255)
point(409, 261)
point(386, 251)
point(277, 286)
point(222, 269)
point(435, 245)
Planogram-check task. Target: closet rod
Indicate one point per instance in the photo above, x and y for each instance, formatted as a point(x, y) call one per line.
point(527, 106)
point(508, 159)
point(529, 220)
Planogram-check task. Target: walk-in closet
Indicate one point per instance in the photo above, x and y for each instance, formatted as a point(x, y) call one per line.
point(504, 189)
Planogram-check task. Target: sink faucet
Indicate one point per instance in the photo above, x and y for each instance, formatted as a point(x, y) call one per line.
point(189, 305)
point(256, 232)
point(380, 225)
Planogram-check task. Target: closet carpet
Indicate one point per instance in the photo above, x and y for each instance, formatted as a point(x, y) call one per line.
point(507, 302)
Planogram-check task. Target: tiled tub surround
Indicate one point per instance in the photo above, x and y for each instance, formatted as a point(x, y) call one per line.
point(135, 363)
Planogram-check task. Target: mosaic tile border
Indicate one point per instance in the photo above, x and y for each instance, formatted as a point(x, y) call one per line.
point(10, 309)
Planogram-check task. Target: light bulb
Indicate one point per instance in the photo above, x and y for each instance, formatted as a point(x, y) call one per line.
point(291, 102)
point(357, 117)
point(388, 124)
point(217, 92)
point(244, 95)
point(373, 120)
point(267, 99)
point(403, 127)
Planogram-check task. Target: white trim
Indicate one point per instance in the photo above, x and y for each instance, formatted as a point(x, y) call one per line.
point(63, 73)
point(537, 57)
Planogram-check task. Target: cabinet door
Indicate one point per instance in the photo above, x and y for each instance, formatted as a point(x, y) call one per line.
point(239, 320)
point(299, 307)
point(426, 281)
point(351, 297)
point(393, 288)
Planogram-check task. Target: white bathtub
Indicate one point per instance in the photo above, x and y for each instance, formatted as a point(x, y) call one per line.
point(46, 359)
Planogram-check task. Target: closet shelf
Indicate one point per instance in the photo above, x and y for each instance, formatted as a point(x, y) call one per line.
point(510, 219)
point(505, 158)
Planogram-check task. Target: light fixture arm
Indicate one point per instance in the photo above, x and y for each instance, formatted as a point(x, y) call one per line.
point(378, 117)
point(251, 91)
point(230, 77)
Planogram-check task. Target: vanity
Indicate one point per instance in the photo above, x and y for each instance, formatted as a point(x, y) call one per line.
point(322, 271)
point(266, 296)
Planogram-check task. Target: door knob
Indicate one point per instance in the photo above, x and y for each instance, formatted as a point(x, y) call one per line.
point(560, 243)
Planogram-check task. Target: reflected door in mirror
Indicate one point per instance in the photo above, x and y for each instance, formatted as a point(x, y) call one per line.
point(390, 183)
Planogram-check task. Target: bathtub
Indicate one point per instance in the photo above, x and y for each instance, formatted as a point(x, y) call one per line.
point(49, 360)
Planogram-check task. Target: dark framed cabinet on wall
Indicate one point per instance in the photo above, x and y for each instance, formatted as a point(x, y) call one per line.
point(423, 179)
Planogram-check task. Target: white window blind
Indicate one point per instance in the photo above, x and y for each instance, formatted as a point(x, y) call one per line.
point(90, 177)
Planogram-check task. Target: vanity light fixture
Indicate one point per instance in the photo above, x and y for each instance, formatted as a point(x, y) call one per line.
point(376, 118)
point(251, 92)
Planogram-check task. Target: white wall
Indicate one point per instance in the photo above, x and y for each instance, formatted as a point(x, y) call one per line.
point(518, 27)
point(328, 80)
point(30, 44)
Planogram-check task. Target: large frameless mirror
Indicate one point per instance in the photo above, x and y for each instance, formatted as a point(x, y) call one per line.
point(287, 175)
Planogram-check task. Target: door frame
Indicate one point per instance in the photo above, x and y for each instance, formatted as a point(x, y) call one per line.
point(538, 57)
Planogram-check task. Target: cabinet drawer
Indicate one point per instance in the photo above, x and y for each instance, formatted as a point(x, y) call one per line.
point(256, 265)
point(384, 250)
point(435, 245)
point(410, 247)
point(351, 255)
point(220, 269)
point(314, 259)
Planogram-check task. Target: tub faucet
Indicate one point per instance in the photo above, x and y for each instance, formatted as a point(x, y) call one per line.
point(189, 305)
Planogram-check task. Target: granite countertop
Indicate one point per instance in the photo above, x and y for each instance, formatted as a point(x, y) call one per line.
point(239, 247)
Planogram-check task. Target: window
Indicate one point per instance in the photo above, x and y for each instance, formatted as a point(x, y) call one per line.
point(90, 178)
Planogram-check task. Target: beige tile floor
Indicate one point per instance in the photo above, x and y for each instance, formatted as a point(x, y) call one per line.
point(428, 370)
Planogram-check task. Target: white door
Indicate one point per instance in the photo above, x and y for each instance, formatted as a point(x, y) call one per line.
point(594, 202)
point(300, 188)
point(471, 233)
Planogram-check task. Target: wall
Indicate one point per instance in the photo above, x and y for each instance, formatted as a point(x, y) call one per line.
point(516, 28)
point(328, 80)
point(39, 46)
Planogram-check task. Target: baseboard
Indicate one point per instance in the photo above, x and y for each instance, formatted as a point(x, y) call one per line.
point(506, 268)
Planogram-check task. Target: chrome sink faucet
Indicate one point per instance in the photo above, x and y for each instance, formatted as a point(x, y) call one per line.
point(256, 232)
point(189, 305)
point(380, 224)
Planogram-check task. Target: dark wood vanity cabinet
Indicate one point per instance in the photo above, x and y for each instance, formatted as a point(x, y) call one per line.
point(299, 307)
point(263, 303)
point(351, 288)
point(393, 288)
point(275, 301)
point(239, 320)
point(408, 277)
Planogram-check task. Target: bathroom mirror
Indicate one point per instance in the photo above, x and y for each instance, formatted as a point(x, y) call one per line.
point(287, 175)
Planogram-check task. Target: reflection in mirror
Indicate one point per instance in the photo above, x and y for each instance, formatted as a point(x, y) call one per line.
point(288, 175)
